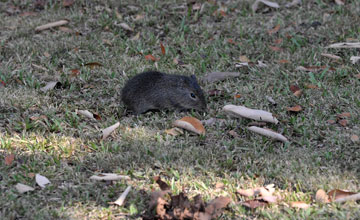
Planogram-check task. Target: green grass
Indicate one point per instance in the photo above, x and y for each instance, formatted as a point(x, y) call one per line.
point(67, 148)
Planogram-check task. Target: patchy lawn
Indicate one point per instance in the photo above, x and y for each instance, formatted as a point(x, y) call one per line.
point(47, 137)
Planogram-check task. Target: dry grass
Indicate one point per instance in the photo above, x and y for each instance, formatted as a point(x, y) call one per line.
point(66, 147)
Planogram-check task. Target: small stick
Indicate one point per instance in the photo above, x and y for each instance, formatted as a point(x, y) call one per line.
point(121, 199)
point(51, 25)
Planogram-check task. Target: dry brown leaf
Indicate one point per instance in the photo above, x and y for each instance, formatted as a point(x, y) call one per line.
point(162, 49)
point(150, 57)
point(136, 37)
point(37, 118)
point(246, 192)
point(107, 131)
point(274, 30)
point(139, 17)
point(93, 65)
point(219, 185)
point(354, 197)
point(311, 86)
point(296, 108)
point(31, 175)
point(294, 88)
point(269, 199)
point(331, 121)
point(74, 72)
point(343, 122)
point(237, 96)
point(51, 25)
point(299, 204)
point(321, 196)
point(219, 76)
point(215, 206)
point(9, 159)
point(336, 194)
point(66, 29)
point(278, 41)
point(283, 61)
point(231, 41)
point(191, 124)
point(253, 204)
point(68, 3)
point(354, 138)
point(298, 93)
point(234, 134)
point(174, 131)
point(344, 115)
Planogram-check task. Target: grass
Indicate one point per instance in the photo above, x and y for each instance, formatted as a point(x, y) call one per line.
point(66, 148)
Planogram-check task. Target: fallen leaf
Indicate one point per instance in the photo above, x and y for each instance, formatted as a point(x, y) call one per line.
point(31, 175)
point(107, 42)
point(246, 192)
point(340, 2)
point(244, 59)
point(231, 41)
point(51, 25)
point(9, 159)
point(296, 108)
point(253, 204)
point(107, 131)
point(215, 206)
point(269, 199)
point(37, 118)
point(345, 45)
point(321, 196)
point(255, 6)
point(331, 121)
point(336, 194)
point(174, 131)
point(331, 56)
point(354, 138)
point(234, 134)
point(50, 85)
point(191, 124)
point(120, 201)
point(344, 115)
point(22, 188)
point(109, 177)
point(139, 17)
point(270, 99)
point(275, 48)
point(357, 76)
point(150, 57)
point(162, 49)
point(343, 122)
point(268, 133)
point(219, 76)
point(28, 13)
point(237, 96)
point(294, 88)
point(126, 26)
point(354, 59)
point(42, 181)
point(354, 197)
point(93, 65)
point(219, 186)
point(274, 30)
point(66, 29)
point(163, 186)
point(68, 3)
point(298, 93)
point(88, 114)
point(242, 111)
point(299, 204)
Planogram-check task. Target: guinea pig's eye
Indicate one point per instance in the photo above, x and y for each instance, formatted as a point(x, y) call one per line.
point(193, 95)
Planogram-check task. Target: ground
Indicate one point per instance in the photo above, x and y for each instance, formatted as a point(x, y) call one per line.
point(47, 137)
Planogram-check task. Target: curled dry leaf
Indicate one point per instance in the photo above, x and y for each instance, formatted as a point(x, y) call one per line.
point(191, 124)
point(345, 45)
point(88, 114)
point(109, 176)
point(255, 6)
point(74, 72)
point(337, 194)
point(283, 61)
point(50, 85)
point(215, 206)
point(296, 108)
point(174, 131)
point(22, 188)
point(234, 134)
point(93, 65)
point(150, 57)
point(299, 204)
point(343, 122)
point(9, 159)
point(162, 49)
point(253, 204)
point(163, 186)
point(68, 3)
point(275, 48)
point(344, 115)
point(120, 201)
point(321, 196)
point(311, 86)
point(107, 131)
point(219, 76)
point(51, 25)
point(268, 133)
point(242, 111)
point(42, 181)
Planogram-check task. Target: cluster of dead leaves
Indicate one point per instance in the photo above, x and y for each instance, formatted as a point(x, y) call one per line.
point(164, 205)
